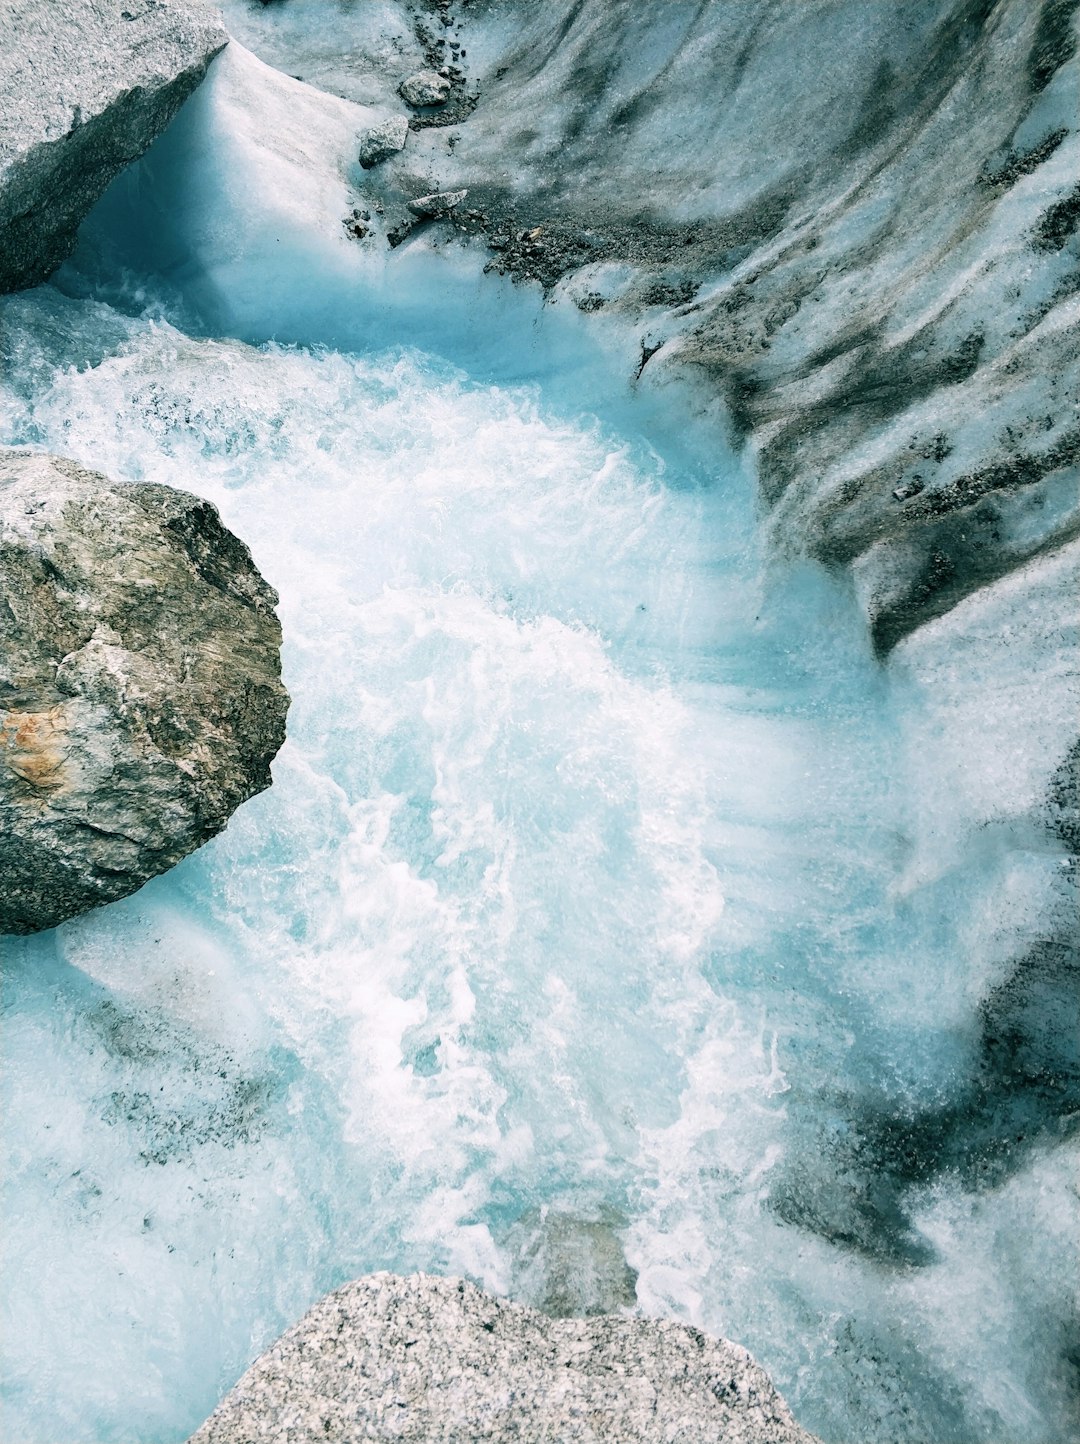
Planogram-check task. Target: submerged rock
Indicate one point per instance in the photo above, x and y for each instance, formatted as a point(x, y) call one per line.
point(425, 88)
point(84, 89)
point(439, 203)
point(383, 140)
point(432, 1359)
point(140, 691)
point(571, 1266)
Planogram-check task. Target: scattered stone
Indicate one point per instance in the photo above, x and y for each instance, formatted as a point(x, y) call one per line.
point(84, 89)
point(358, 224)
point(426, 1360)
point(439, 203)
point(907, 489)
point(140, 685)
point(425, 88)
point(383, 140)
point(399, 233)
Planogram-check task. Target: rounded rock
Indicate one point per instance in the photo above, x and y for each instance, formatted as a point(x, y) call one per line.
point(425, 88)
point(140, 685)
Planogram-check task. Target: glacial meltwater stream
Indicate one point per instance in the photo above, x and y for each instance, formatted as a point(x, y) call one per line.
point(594, 907)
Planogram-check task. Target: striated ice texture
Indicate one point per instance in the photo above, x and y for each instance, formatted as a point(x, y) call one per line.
point(605, 876)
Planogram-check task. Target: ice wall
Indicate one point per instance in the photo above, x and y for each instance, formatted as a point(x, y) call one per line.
point(857, 220)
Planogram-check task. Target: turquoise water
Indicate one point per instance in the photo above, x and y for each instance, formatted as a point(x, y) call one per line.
point(594, 884)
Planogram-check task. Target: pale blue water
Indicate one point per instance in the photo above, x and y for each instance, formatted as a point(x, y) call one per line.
point(592, 877)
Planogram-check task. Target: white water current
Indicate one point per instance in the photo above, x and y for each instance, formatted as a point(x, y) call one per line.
point(607, 888)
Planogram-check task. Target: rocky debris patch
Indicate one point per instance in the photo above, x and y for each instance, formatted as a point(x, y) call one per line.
point(445, 54)
point(531, 241)
point(383, 140)
point(458, 106)
point(436, 1360)
point(84, 89)
point(439, 203)
point(358, 223)
point(140, 691)
point(425, 88)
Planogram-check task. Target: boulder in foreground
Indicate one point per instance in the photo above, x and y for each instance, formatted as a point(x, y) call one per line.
point(140, 689)
point(436, 1360)
point(84, 89)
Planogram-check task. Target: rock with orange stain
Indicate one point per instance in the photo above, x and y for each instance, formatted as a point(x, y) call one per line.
point(140, 689)
point(33, 745)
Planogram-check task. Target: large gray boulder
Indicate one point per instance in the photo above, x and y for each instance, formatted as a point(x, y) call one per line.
point(140, 691)
point(426, 1360)
point(84, 89)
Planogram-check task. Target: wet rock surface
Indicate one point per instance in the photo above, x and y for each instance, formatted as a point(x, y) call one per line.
point(425, 1358)
point(140, 691)
point(84, 89)
point(1012, 1100)
point(571, 1266)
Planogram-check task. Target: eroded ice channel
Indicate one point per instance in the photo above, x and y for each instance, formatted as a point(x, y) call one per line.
point(606, 884)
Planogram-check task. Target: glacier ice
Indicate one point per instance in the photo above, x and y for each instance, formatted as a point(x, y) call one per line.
point(606, 874)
